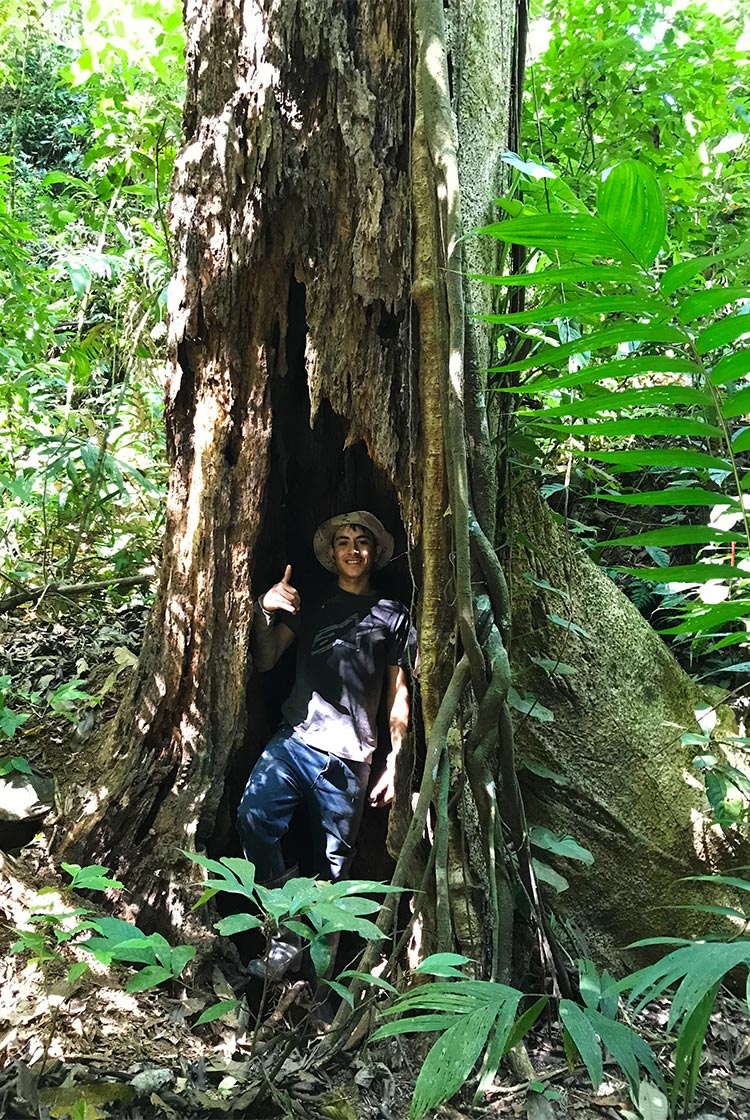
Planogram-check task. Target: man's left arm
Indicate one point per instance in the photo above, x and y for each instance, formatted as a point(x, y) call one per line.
point(397, 700)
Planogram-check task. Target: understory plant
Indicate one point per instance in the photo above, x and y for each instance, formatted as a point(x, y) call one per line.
point(635, 369)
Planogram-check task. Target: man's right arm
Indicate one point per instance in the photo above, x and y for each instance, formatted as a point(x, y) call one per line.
point(269, 636)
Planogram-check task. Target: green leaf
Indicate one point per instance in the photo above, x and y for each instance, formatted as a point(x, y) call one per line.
point(682, 273)
point(450, 1061)
point(545, 586)
point(686, 573)
point(636, 426)
point(180, 957)
point(630, 202)
point(709, 300)
point(76, 971)
point(369, 978)
point(525, 1022)
point(722, 333)
point(581, 308)
point(581, 234)
point(548, 875)
point(18, 763)
point(615, 402)
point(148, 977)
point(529, 705)
point(341, 990)
point(586, 1043)
point(673, 496)
point(572, 274)
point(418, 1024)
point(612, 336)
point(443, 964)
point(243, 869)
point(566, 846)
point(237, 923)
point(672, 457)
point(738, 404)
point(619, 369)
point(216, 1011)
point(677, 535)
point(731, 368)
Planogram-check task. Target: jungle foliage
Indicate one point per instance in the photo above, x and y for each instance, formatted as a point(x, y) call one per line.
point(91, 123)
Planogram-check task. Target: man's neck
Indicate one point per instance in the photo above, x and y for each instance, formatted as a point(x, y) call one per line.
point(358, 586)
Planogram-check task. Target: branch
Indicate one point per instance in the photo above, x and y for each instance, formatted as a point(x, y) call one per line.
point(33, 594)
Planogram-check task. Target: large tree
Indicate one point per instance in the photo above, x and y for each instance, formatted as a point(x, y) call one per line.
point(325, 355)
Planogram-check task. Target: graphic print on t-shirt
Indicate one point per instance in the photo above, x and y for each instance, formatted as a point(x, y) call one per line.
point(344, 632)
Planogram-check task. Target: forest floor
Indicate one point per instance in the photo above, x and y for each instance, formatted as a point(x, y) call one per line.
point(88, 1049)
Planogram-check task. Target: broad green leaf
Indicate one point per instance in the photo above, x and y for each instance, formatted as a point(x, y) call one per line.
point(672, 457)
point(525, 1022)
point(216, 1011)
point(630, 202)
point(617, 370)
point(181, 957)
point(635, 426)
point(627, 1048)
point(613, 336)
point(731, 368)
point(548, 875)
point(708, 301)
point(677, 535)
point(369, 978)
point(450, 1061)
point(738, 404)
point(673, 496)
point(341, 990)
point(566, 846)
point(586, 1043)
point(237, 923)
point(572, 274)
point(723, 333)
point(582, 308)
point(543, 771)
point(76, 971)
point(437, 963)
point(210, 864)
point(685, 573)
point(741, 440)
point(604, 401)
point(581, 234)
point(682, 273)
point(148, 977)
point(652, 1104)
point(709, 618)
point(419, 1024)
point(529, 705)
point(243, 869)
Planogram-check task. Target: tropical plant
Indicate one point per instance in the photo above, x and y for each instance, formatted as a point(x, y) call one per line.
point(473, 1019)
point(637, 366)
point(697, 969)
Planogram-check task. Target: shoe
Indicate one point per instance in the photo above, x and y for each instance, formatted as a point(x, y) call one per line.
point(284, 955)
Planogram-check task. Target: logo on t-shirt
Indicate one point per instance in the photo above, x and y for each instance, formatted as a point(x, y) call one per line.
point(344, 632)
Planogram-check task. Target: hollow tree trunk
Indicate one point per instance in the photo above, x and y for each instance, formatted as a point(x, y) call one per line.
point(299, 381)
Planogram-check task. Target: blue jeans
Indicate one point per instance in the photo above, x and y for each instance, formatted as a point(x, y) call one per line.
point(290, 773)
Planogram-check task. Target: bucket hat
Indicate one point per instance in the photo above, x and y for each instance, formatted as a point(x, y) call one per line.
point(324, 535)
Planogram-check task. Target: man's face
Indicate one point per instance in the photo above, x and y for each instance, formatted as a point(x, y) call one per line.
point(354, 551)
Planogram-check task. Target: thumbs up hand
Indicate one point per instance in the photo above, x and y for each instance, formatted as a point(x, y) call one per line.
point(282, 596)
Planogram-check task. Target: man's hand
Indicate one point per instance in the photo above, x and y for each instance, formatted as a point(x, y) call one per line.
point(383, 791)
point(282, 596)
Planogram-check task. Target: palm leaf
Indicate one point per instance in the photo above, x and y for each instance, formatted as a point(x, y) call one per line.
point(630, 201)
point(580, 234)
point(672, 457)
point(685, 573)
point(722, 333)
point(708, 301)
point(612, 336)
point(692, 496)
point(577, 309)
point(676, 535)
point(731, 368)
point(605, 401)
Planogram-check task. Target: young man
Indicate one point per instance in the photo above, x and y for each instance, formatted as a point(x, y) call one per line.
point(352, 646)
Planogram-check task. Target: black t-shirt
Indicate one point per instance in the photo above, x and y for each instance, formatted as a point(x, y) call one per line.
point(344, 646)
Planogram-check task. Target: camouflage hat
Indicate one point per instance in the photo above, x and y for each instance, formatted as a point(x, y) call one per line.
point(324, 534)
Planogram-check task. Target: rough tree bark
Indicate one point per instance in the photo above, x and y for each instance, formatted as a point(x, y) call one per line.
point(321, 360)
